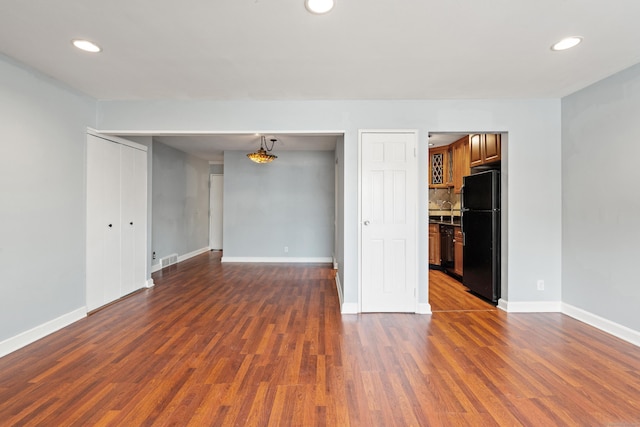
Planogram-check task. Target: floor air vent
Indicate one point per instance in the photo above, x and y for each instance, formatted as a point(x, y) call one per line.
point(171, 259)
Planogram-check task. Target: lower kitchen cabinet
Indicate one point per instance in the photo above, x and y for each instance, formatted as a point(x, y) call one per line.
point(434, 244)
point(458, 250)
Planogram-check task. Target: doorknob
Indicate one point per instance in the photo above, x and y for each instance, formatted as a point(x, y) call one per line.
point(366, 223)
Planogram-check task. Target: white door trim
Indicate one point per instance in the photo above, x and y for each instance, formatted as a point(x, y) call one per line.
point(212, 205)
point(360, 219)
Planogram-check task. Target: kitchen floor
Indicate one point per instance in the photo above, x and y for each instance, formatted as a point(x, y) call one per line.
point(447, 294)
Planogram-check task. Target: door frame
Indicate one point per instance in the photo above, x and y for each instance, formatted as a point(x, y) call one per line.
point(221, 200)
point(416, 208)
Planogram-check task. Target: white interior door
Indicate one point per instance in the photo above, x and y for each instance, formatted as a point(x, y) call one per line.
point(388, 221)
point(215, 211)
point(127, 212)
point(133, 182)
point(116, 220)
point(103, 222)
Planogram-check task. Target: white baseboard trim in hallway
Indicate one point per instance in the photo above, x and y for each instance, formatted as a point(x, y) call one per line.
point(312, 260)
point(158, 267)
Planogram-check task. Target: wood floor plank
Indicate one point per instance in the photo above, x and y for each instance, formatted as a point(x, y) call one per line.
point(266, 345)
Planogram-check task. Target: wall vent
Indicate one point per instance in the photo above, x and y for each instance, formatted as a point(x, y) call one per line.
point(171, 259)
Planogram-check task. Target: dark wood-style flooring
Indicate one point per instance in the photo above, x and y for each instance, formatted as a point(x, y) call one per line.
point(266, 345)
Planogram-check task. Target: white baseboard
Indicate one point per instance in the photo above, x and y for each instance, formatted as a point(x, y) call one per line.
point(530, 306)
point(424, 308)
point(589, 318)
point(317, 260)
point(27, 337)
point(339, 289)
point(603, 324)
point(158, 267)
point(150, 283)
point(192, 254)
point(350, 308)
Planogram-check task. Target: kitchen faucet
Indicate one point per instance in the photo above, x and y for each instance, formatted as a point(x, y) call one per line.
point(442, 202)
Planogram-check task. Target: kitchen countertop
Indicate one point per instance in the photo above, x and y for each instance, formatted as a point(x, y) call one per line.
point(445, 221)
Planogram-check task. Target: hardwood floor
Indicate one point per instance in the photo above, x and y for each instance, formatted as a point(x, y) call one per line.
point(447, 294)
point(266, 345)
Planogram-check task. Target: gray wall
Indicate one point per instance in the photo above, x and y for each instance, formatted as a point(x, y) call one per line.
point(601, 198)
point(289, 202)
point(42, 219)
point(180, 211)
point(216, 169)
point(42, 191)
point(534, 160)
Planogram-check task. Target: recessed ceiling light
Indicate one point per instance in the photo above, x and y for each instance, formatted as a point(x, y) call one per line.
point(567, 43)
point(86, 45)
point(319, 6)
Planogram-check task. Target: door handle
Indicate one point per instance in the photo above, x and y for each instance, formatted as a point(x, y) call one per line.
point(366, 223)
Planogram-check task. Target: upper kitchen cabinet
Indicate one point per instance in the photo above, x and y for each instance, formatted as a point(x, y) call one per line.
point(441, 167)
point(461, 162)
point(484, 149)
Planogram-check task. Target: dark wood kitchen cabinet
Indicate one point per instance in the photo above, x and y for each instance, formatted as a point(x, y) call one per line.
point(484, 149)
point(458, 245)
point(434, 244)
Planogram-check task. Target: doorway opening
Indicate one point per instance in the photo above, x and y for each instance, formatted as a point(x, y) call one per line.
point(456, 158)
point(191, 157)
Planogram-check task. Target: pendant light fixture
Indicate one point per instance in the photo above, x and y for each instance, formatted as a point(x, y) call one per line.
point(262, 155)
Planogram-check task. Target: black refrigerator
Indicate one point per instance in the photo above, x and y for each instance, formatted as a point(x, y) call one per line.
point(481, 231)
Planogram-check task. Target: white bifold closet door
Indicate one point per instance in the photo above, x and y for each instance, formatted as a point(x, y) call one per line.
point(133, 213)
point(116, 220)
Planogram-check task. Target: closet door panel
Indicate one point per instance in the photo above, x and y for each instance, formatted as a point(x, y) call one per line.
point(96, 175)
point(113, 224)
point(103, 221)
point(127, 183)
point(133, 190)
point(116, 220)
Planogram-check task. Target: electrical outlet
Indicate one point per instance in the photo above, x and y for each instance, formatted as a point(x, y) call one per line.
point(153, 256)
point(541, 285)
point(286, 249)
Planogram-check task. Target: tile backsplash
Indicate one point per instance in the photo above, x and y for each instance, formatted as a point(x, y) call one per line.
point(437, 199)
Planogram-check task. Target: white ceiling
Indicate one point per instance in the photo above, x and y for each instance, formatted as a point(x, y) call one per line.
point(363, 49)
